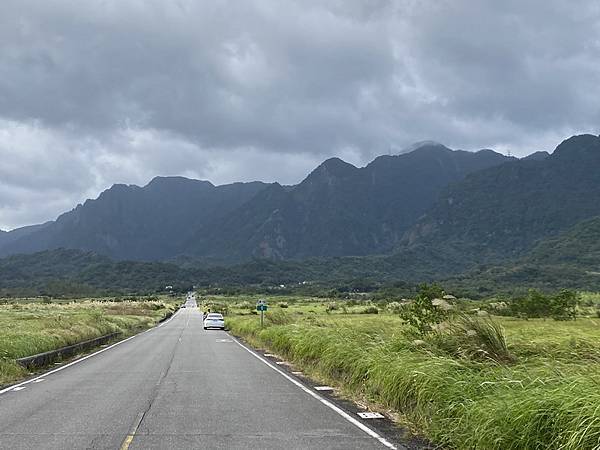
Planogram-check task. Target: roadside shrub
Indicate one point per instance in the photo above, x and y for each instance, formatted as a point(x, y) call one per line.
point(421, 315)
point(500, 308)
point(152, 306)
point(158, 305)
point(370, 310)
point(535, 304)
point(282, 304)
point(395, 307)
point(331, 306)
point(563, 305)
point(481, 338)
point(278, 317)
point(245, 305)
point(222, 308)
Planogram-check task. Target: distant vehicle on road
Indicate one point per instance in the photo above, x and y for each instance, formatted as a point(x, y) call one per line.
point(214, 320)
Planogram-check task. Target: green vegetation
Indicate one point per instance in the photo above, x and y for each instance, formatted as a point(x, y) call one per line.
point(570, 259)
point(421, 314)
point(498, 215)
point(488, 226)
point(472, 381)
point(560, 306)
point(28, 328)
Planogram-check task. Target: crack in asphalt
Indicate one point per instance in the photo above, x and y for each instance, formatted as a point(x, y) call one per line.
point(138, 425)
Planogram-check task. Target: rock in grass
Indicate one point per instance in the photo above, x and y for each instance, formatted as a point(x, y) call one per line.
point(442, 304)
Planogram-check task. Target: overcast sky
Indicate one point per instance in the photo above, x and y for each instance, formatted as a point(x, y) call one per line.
point(117, 91)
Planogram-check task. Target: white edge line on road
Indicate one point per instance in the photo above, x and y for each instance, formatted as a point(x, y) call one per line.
point(324, 401)
point(45, 374)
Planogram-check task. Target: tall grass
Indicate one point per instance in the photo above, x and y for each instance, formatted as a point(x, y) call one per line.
point(480, 338)
point(508, 399)
point(28, 329)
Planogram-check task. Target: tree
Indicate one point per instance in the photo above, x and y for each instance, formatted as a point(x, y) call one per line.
point(421, 314)
point(563, 305)
point(534, 304)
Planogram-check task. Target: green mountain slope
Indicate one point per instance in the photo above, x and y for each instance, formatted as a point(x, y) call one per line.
point(501, 212)
point(340, 209)
point(569, 260)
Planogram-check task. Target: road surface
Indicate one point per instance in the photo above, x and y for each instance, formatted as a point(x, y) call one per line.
point(176, 386)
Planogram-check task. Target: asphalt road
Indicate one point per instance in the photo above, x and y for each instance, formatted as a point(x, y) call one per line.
point(176, 386)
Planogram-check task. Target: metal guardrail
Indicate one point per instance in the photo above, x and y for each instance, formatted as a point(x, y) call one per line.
point(46, 358)
point(43, 359)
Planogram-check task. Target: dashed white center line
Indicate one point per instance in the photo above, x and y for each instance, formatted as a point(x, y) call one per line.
point(39, 380)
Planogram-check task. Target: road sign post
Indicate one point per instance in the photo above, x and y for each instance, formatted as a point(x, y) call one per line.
point(261, 306)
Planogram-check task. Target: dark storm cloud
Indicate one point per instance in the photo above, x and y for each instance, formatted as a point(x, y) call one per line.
point(98, 92)
point(229, 75)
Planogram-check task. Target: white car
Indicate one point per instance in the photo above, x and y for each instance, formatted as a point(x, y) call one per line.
point(214, 320)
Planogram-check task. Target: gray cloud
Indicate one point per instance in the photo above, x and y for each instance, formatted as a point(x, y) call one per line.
point(93, 93)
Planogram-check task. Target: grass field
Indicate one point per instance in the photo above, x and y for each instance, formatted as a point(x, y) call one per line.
point(546, 395)
point(31, 327)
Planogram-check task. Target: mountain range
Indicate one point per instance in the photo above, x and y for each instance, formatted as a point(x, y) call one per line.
point(338, 210)
point(130, 222)
point(426, 214)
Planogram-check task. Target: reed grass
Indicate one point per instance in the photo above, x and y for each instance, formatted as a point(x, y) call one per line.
point(30, 328)
point(537, 386)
